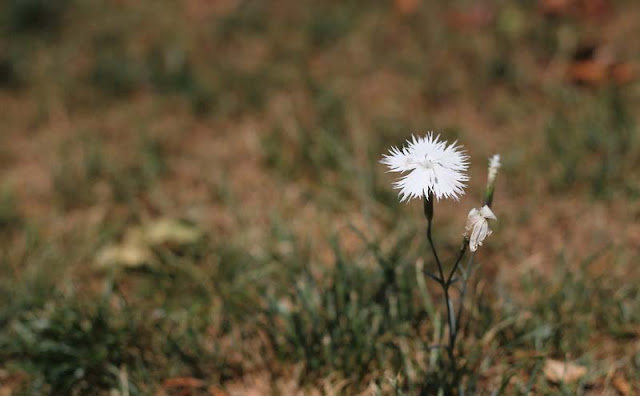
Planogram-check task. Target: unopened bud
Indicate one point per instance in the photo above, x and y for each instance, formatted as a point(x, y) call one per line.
point(494, 165)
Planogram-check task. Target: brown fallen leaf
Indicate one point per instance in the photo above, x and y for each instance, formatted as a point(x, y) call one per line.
point(593, 9)
point(215, 391)
point(557, 371)
point(590, 72)
point(406, 7)
point(597, 64)
point(555, 7)
point(477, 16)
point(623, 73)
point(622, 385)
point(183, 382)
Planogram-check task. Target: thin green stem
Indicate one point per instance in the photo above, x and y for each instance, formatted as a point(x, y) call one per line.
point(435, 253)
point(454, 329)
point(428, 212)
point(466, 272)
point(445, 282)
point(463, 250)
point(463, 292)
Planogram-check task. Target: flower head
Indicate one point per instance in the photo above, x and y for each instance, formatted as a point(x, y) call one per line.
point(477, 228)
point(435, 168)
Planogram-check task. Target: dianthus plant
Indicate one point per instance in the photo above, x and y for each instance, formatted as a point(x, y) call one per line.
point(432, 170)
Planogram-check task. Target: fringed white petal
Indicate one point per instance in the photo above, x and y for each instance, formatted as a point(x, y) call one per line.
point(433, 166)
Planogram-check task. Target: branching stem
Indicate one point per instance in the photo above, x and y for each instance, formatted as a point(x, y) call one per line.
point(445, 282)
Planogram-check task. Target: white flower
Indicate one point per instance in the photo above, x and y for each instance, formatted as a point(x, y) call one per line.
point(477, 228)
point(434, 167)
point(494, 165)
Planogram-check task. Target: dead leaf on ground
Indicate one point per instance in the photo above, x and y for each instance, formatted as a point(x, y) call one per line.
point(589, 72)
point(623, 72)
point(554, 7)
point(215, 391)
point(131, 253)
point(183, 382)
point(558, 371)
point(595, 65)
point(406, 7)
point(594, 9)
point(171, 233)
point(11, 383)
point(473, 17)
point(622, 385)
point(136, 248)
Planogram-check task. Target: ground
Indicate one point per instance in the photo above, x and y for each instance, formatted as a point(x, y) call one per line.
point(191, 200)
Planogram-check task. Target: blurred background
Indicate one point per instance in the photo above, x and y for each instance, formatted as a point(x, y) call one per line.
point(191, 201)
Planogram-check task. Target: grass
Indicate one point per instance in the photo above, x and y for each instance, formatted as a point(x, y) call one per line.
point(75, 348)
point(364, 317)
point(262, 128)
point(604, 136)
